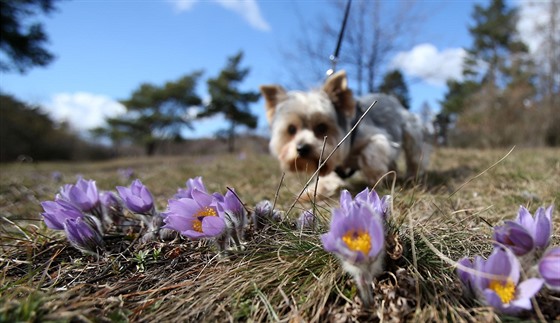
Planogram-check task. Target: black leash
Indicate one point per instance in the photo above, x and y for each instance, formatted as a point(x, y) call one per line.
point(334, 57)
point(344, 172)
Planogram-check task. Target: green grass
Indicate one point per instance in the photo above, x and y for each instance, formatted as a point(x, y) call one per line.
point(283, 274)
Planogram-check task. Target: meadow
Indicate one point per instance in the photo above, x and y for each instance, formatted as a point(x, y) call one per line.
point(283, 274)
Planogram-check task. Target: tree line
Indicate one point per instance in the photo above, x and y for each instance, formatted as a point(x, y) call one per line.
point(29, 134)
point(507, 97)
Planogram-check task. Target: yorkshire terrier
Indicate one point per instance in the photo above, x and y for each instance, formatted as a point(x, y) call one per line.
point(308, 126)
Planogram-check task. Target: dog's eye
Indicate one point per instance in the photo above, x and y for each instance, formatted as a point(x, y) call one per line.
point(292, 129)
point(321, 130)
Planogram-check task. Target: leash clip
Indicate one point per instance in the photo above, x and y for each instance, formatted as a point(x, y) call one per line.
point(334, 57)
point(331, 70)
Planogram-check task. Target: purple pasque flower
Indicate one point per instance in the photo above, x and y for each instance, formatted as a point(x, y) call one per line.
point(370, 197)
point(357, 237)
point(526, 233)
point(540, 226)
point(264, 213)
point(306, 220)
point(233, 212)
point(137, 198)
point(191, 184)
point(356, 234)
point(495, 281)
point(109, 200)
point(56, 176)
point(232, 209)
point(380, 205)
point(58, 211)
point(83, 194)
point(467, 278)
point(549, 268)
point(112, 207)
point(515, 237)
point(195, 217)
point(85, 234)
point(126, 173)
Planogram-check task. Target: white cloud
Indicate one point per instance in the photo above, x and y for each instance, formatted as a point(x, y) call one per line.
point(82, 110)
point(535, 24)
point(534, 16)
point(432, 66)
point(248, 9)
point(182, 5)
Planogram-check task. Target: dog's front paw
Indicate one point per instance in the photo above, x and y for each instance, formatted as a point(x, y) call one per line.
point(328, 186)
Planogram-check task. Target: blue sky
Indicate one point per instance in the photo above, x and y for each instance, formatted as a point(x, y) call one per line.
point(106, 49)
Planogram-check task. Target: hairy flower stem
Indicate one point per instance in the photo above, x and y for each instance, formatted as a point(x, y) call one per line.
point(364, 284)
point(235, 237)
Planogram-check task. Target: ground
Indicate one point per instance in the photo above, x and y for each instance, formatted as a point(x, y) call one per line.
point(283, 274)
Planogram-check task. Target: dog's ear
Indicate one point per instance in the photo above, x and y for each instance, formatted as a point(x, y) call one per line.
point(336, 87)
point(273, 94)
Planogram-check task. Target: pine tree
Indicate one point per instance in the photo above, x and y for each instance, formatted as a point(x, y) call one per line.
point(394, 84)
point(498, 78)
point(228, 100)
point(23, 43)
point(155, 113)
point(456, 97)
point(495, 43)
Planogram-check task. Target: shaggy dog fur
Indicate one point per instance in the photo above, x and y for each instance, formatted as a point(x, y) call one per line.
point(303, 122)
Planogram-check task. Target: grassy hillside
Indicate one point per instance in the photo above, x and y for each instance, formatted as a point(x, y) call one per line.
point(283, 274)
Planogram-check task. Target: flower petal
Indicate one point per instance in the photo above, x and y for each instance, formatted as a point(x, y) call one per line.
point(504, 264)
point(478, 281)
point(549, 268)
point(213, 226)
point(543, 228)
point(493, 299)
point(201, 197)
point(525, 219)
point(146, 196)
point(193, 234)
point(515, 237)
point(328, 241)
point(465, 276)
point(184, 207)
point(177, 222)
point(197, 183)
point(528, 289)
point(345, 198)
point(376, 232)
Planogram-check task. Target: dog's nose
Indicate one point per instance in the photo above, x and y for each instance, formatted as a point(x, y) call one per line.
point(303, 150)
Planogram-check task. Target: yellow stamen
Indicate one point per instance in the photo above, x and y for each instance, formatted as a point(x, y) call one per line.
point(505, 291)
point(206, 211)
point(197, 226)
point(358, 241)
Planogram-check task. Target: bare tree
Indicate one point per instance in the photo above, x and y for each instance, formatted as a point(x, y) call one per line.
point(548, 52)
point(426, 113)
point(376, 30)
point(548, 69)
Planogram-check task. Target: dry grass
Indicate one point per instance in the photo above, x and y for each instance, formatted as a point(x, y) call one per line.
point(283, 274)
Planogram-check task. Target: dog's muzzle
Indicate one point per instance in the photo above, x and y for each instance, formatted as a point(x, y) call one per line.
point(303, 150)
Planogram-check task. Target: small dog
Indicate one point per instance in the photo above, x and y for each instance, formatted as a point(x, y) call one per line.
point(302, 123)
